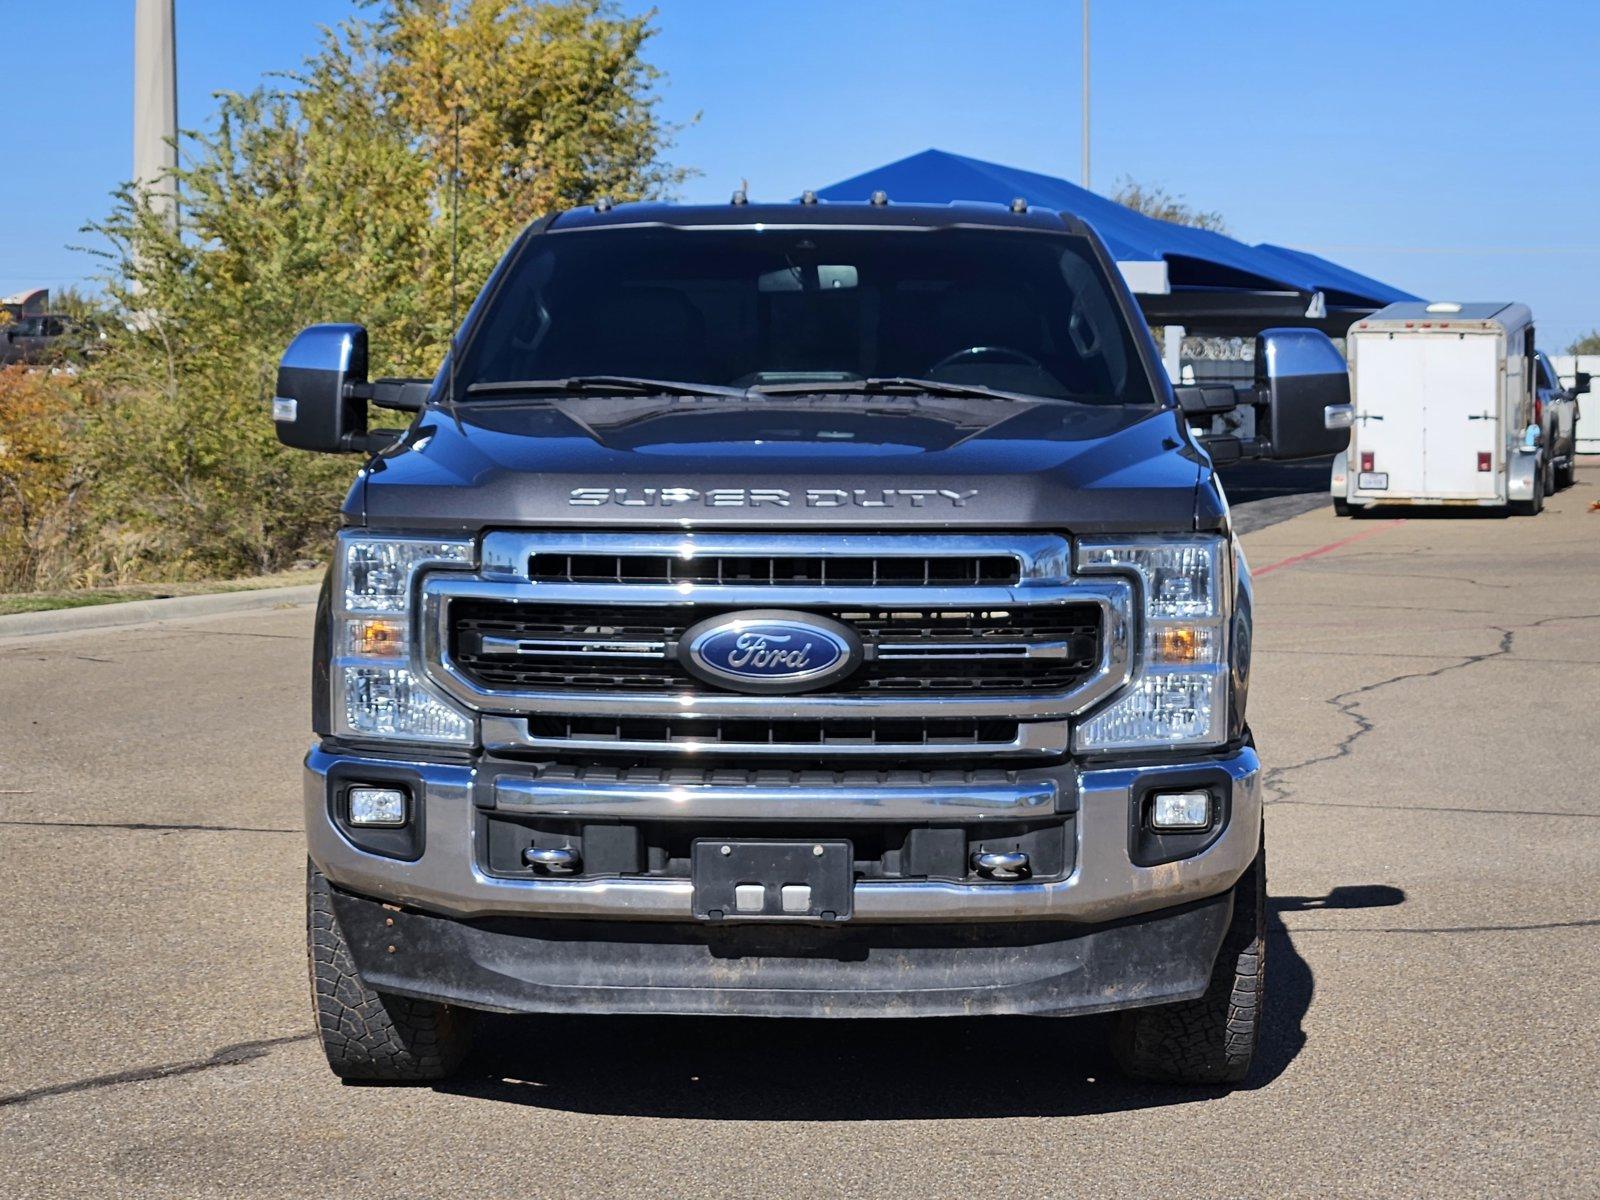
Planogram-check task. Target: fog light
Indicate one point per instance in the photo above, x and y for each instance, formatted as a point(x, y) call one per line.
point(377, 806)
point(1180, 810)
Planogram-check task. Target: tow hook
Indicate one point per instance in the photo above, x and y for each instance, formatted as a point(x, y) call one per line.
point(1001, 864)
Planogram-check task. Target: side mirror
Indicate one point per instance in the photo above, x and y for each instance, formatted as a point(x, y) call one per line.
point(313, 408)
point(1305, 386)
point(1580, 383)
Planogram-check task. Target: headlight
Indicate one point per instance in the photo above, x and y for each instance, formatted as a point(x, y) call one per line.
point(377, 693)
point(1179, 694)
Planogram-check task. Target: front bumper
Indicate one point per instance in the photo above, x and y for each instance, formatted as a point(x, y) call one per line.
point(1103, 885)
point(1043, 968)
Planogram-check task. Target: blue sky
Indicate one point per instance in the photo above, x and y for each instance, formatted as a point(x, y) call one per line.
point(1446, 146)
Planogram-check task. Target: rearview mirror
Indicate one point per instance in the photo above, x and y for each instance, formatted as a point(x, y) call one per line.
point(313, 407)
point(1305, 387)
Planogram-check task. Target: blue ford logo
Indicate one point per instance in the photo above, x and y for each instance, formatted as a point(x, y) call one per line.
point(770, 651)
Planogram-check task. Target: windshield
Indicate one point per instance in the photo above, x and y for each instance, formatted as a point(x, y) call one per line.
point(750, 308)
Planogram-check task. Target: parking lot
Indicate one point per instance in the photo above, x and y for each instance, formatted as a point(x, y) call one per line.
point(1423, 695)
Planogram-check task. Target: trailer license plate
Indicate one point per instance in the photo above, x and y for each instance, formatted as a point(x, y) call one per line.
point(761, 879)
point(1373, 481)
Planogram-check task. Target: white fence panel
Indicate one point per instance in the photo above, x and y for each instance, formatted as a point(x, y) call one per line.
point(1589, 405)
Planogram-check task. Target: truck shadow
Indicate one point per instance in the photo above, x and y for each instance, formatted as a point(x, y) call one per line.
point(746, 1069)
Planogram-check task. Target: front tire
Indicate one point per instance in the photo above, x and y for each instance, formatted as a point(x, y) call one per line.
point(1211, 1039)
point(370, 1035)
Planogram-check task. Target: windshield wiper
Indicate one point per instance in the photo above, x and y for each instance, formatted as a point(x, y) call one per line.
point(891, 385)
point(611, 385)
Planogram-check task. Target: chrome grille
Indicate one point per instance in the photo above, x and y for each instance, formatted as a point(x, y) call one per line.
point(568, 641)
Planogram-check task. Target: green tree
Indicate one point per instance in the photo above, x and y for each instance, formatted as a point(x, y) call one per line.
point(1155, 201)
point(1589, 343)
point(324, 195)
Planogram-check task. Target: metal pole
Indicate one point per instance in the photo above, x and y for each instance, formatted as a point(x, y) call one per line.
point(155, 104)
point(1086, 93)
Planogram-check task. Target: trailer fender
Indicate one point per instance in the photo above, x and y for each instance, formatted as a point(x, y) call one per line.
point(1523, 471)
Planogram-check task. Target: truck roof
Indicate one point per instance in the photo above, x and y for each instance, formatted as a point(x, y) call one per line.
point(820, 212)
point(1508, 314)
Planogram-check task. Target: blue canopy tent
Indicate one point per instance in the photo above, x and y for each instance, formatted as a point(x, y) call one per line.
point(1206, 281)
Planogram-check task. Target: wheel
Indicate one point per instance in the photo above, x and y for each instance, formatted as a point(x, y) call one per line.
point(1341, 507)
point(1567, 474)
point(1212, 1039)
point(1550, 485)
point(367, 1034)
point(1535, 506)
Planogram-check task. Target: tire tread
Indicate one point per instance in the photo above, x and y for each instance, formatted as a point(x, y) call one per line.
point(1211, 1039)
point(366, 1034)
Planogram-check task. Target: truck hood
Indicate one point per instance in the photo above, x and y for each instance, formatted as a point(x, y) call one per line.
point(834, 461)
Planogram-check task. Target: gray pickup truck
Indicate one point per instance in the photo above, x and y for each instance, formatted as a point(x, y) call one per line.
point(791, 610)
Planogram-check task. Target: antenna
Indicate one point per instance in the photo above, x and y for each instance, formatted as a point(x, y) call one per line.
point(455, 256)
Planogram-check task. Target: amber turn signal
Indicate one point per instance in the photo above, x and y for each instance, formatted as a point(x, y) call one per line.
point(380, 638)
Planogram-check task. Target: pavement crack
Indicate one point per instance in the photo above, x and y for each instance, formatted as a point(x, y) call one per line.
point(1587, 923)
point(1348, 703)
point(1448, 808)
point(147, 826)
point(228, 1056)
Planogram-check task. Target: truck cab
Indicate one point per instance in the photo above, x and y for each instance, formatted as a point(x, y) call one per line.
point(1557, 416)
point(789, 610)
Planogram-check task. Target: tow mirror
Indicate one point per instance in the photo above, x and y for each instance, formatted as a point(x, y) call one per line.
point(1580, 383)
point(313, 408)
point(1304, 385)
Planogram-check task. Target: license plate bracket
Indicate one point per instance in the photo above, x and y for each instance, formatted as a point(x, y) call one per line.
point(1373, 481)
point(770, 879)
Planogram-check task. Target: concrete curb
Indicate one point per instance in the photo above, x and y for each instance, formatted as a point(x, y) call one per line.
point(146, 612)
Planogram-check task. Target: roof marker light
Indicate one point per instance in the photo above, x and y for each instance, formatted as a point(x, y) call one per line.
point(1444, 306)
point(603, 204)
point(1019, 205)
point(879, 199)
point(808, 197)
point(740, 198)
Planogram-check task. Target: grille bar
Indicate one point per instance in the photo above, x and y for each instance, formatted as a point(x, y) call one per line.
point(961, 570)
point(943, 739)
point(509, 645)
point(564, 647)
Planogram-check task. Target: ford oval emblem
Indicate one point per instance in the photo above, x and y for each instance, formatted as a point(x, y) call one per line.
point(770, 651)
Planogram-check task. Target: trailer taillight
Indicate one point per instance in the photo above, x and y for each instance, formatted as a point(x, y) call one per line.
point(1485, 460)
point(1366, 460)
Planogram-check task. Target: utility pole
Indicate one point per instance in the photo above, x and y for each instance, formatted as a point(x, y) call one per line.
point(155, 104)
point(1086, 94)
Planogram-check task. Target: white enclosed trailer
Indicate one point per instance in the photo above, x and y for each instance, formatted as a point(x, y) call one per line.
point(1444, 409)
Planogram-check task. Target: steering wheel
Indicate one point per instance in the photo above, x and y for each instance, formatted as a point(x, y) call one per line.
point(995, 353)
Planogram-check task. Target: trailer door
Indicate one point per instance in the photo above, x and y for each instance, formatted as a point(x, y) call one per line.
point(1463, 448)
point(1386, 452)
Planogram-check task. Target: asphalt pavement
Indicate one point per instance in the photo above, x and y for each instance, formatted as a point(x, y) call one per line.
point(1424, 697)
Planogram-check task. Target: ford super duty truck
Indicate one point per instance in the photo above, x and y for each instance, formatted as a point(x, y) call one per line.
point(791, 610)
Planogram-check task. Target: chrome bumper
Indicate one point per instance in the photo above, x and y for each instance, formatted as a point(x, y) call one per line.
point(1104, 883)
